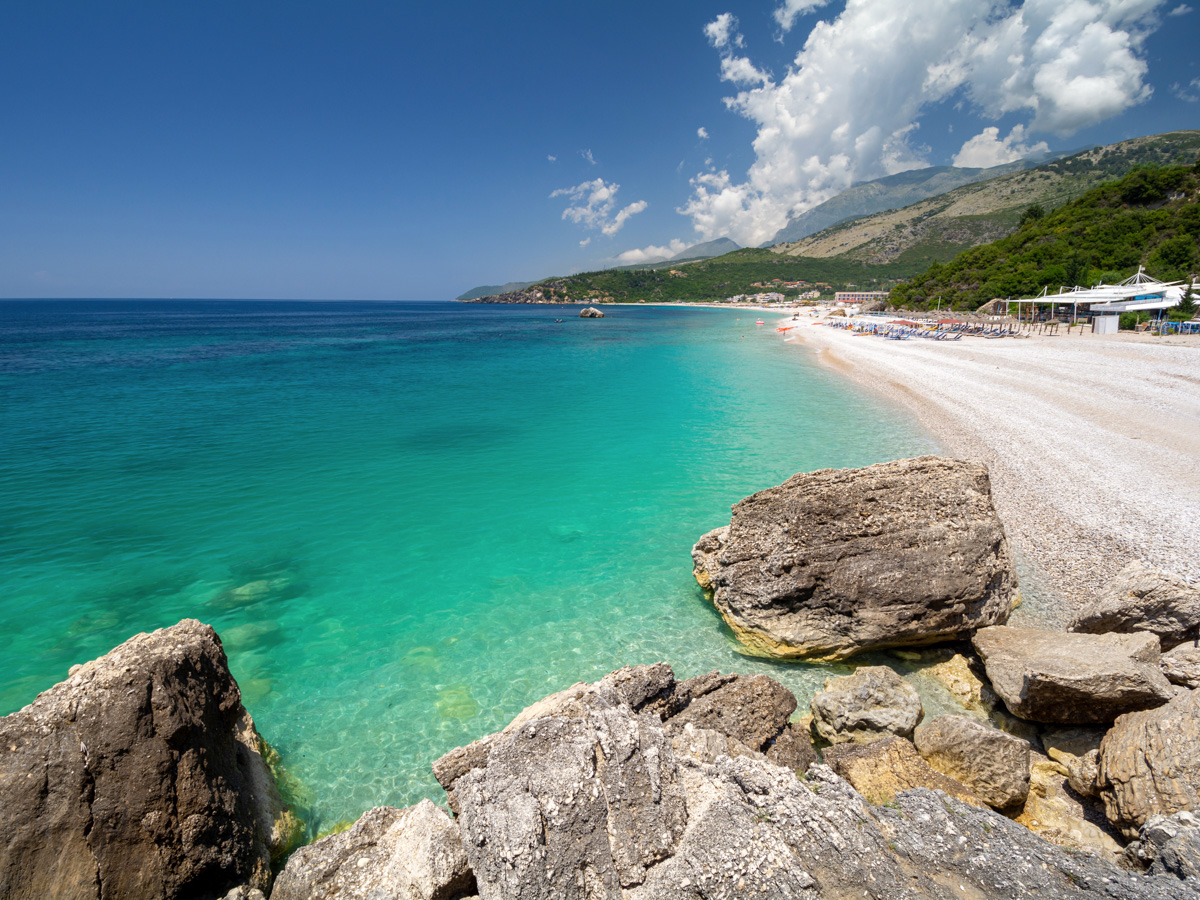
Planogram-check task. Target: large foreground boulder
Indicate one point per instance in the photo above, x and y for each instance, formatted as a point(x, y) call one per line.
point(140, 776)
point(1072, 679)
point(1142, 598)
point(587, 799)
point(834, 562)
point(1150, 764)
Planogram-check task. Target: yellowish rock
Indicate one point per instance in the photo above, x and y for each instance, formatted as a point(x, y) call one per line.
point(1053, 813)
point(882, 769)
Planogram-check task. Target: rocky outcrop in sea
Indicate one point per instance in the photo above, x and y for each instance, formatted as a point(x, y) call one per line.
point(835, 562)
point(1072, 769)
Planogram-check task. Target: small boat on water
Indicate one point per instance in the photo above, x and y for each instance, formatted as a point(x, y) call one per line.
point(760, 322)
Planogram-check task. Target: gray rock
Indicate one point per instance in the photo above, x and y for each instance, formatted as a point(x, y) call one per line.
point(834, 562)
point(1150, 764)
point(590, 312)
point(994, 765)
point(652, 687)
point(872, 703)
point(400, 854)
point(792, 749)
point(139, 776)
point(1181, 665)
point(1072, 679)
point(572, 807)
point(1142, 598)
point(1171, 845)
point(752, 708)
point(244, 893)
point(593, 802)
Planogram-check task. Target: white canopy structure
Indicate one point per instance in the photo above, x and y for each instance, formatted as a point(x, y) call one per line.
point(1137, 292)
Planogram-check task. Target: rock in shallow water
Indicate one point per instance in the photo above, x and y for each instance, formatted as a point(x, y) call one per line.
point(838, 561)
point(141, 776)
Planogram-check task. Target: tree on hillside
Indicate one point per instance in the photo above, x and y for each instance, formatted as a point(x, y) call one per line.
point(1032, 213)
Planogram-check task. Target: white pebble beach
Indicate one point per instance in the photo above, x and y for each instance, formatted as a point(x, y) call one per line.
point(1093, 442)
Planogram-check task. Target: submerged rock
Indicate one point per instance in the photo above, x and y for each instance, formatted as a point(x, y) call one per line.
point(140, 776)
point(872, 703)
point(838, 561)
point(1142, 598)
point(1072, 679)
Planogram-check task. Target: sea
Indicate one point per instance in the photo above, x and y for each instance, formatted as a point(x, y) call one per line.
point(407, 521)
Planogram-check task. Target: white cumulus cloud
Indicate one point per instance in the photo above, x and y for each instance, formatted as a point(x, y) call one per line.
point(849, 106)
point(791, 10)
point(651, 254)
point(702, 133)
point(1181, 10)
point(986, 149)
point(595, 206)
point(722, 32)
point(587, 155)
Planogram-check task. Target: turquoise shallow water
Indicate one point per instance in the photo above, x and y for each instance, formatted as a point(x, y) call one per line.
point(407, 521)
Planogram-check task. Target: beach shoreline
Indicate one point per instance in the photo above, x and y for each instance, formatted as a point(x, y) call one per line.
point(1092, 442)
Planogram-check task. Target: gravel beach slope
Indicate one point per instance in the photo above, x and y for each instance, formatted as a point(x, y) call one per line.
point(1093, 442)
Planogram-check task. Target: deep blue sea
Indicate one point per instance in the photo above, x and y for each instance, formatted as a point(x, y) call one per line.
point(407, 521)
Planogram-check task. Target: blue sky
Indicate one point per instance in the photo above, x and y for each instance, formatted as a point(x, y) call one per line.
point(395, 151)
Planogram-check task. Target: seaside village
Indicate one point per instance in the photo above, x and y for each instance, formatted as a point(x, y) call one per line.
point(1099, 309)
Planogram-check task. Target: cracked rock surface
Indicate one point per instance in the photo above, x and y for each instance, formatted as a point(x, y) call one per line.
point(835, 562)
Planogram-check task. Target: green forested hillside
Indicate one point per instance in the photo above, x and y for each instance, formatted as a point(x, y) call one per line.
point(716, 279)
point(1151, 217)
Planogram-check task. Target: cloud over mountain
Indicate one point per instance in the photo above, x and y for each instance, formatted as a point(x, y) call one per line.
point(849, 106)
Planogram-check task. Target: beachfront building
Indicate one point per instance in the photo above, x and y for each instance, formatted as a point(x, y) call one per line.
point(769, 297)
point(1137, 293)
point(850, 298)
